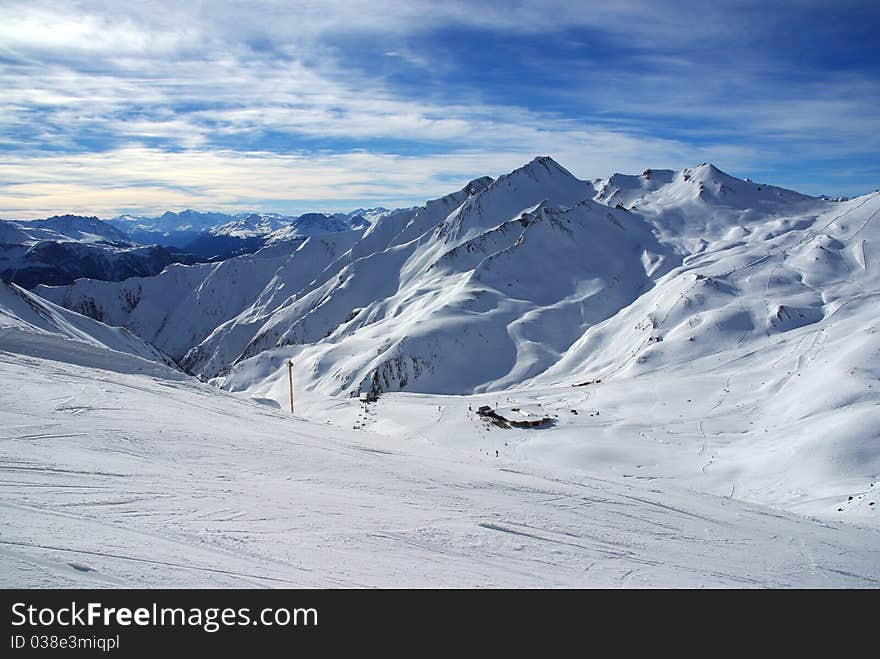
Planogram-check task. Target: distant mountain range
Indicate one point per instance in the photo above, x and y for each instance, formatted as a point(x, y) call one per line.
point(219, 234)
point(63, 248)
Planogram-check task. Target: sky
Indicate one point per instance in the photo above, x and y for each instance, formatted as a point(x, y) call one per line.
point(139, 107)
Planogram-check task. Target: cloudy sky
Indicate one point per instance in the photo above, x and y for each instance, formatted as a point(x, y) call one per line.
point(111, 107)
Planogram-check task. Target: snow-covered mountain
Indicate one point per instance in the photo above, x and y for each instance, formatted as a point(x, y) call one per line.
point(210, 293)
point(61, 249)
point(313, 224)
point(12, 234)
point(702, 354)
point(30, 325)
point(170, 228)
point(526, 264)
point(243, 234)
point(217, 236)
point(179, 229)
point(61, 228)
point(368, 214)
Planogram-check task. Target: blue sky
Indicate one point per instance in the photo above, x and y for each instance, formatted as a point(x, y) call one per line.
point(112, 107)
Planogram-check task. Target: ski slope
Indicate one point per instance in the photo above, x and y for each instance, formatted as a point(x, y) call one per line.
point(114, 479)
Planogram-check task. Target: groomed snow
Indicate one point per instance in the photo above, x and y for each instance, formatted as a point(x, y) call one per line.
point(119, 479)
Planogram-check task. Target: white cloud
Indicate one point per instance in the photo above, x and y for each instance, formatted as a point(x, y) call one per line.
point(143, 180)
point(113, 105)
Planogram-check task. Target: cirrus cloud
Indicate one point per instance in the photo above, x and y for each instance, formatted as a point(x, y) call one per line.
point(145, 106)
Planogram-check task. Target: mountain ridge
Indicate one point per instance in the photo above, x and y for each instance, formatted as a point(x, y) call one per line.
point(405, 258)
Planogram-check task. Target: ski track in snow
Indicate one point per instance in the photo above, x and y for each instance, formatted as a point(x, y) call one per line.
point(273, 501)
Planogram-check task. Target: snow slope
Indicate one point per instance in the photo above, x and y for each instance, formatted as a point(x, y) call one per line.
point(183, 305)
point(11, 234)
point(700, 205)
point(29, 325)
point(114, 479)
point(748, 289)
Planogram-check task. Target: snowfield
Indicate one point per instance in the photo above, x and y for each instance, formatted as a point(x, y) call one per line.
point(706, 349)
point(120, 479)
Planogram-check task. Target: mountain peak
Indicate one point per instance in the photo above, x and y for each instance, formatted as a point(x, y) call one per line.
point(542, 170)
point(478, 185)
point(547, 164)
point(708, 170)
point(707, 174)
